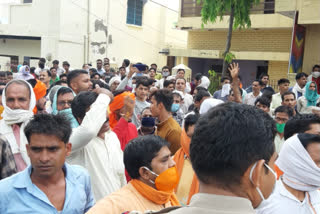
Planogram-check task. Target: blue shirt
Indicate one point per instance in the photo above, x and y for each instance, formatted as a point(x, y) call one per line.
point(19, 195)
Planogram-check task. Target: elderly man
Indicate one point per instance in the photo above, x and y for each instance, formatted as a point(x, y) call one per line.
point(18, 100)
point(297, 190)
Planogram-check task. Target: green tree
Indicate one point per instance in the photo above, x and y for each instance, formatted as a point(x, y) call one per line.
point(239, 11)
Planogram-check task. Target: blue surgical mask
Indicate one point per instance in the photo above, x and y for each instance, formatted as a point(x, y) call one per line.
point(68, 114)
point(175, 107)
point(148, 122)
point(139, 74)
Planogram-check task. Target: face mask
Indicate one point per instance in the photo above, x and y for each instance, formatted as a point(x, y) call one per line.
point(68, 114)
point(165, 74)
point(139, 74)
point(134, 86)
point(316, 74)
point(148, 122)
point(167, 180)
point(280, 127)
point(175, 107)
point(257, 188)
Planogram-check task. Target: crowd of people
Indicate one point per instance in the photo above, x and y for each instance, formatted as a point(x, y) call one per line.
point(140, 140)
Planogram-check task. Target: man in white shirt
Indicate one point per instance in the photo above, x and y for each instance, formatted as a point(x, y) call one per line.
point(188, 99)
point(204, 102)
point(299, 88)
point(297, 190)
point(283, 85)
point(41, 66)
point(165, 75)
point(94, 145)
point(59, 70)
point(251, 97)
point(100, 69)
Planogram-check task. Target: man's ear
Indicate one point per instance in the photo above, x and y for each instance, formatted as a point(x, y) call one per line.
point(257, 173)
point(68, 148)
point(144, 173)
point(74, 86)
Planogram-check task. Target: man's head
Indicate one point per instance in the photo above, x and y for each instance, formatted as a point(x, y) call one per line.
point(169, 84)
point(263, 103)
point(95, 76)
point(289, 99)
point(64, 98)
point(199, 88)
point(161, 100)
point(106, 67)
point(106, 60)
point(156, 157)
point(165, 71)
point(66, 65)
point(301, 79)
point(79, 80)
point(233, 160)
point(114, 83)
point(154, 66)
point(122, 71)
point(282, 115)
point(55, 64)
point(283, 85)
point(81, 105)
point(42, 63)
point(190, 123)
point(63, 77)
point(48, 144)
point(126, 63)
point(9, 76)
point(197, 79)
point(142, 89)
point(264, 78)
point(181, 84)
point(99, 64)
point(53, 72)
point(45, 76)
point(304, 123)
point(3, 77)
point(18, 95)
point(225, 80)
point(231, 97)
point(256, 86)
point(200, 97)
point(152, 73)
point(316, 71)
point(180, 73)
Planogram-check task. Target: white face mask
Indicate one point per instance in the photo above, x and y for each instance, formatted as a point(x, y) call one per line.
point(316, 74)
point(257, 188)
point(134, 86)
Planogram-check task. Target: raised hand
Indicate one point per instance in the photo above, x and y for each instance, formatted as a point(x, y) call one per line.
point(234, 70)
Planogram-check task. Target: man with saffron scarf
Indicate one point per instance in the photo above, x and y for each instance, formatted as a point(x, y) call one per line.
point(310, 99)
point(121, 110)
point(188, 184)
point(154, 176)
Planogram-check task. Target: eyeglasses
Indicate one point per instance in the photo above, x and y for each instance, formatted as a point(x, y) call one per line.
point(63, 103)
point(284, 120)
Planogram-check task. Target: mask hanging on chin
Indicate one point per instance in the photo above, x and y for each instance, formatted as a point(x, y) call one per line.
point(167, 180)
point(316, 74)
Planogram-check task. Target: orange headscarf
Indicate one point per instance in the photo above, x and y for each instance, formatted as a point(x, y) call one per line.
point(117, 103)
point(156, 196)
point(179, 159)
point(40, 90)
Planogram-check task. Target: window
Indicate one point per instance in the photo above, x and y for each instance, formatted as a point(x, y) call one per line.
point(134, 12)
point(27, 1)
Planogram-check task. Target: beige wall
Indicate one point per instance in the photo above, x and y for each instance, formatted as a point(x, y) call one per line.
point(312, 48)
point(248, 40)
point(277, 70)
point(20, 48)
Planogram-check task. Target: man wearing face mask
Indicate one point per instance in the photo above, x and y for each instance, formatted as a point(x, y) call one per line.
point(148, 123)
point(282, 115)
point(297, 189)
point(315, 76)
point(165, 74)
point(102, 156)
point(235, 174)
point(223, 93)
point(154, 177)
point(176, 111)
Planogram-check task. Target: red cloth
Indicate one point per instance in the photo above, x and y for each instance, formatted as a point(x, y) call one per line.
point(317, 81)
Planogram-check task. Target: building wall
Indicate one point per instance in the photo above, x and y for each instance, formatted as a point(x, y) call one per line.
point(277, 40)
point(20, 48)
point(311, 50)
point(277, 70)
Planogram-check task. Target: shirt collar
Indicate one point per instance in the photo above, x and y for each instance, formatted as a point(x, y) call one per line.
point(284, 192)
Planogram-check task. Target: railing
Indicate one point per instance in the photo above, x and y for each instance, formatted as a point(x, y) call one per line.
point(190, 8)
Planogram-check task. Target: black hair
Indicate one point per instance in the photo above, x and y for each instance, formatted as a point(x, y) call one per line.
point(284, 109)
point(263, 101)
point(315, 66)
point(165, 97)
point(166, 83)
point(140, 152)
point(198, 76)
point(126, 62)
point(64, 90)
point(263, 75)
point(228, 140)
point(74, 74)
point(99, 60)
point(199, 88)
point(165, 67)
point(287, 93)
point(43, 60)
point(63, 75)
point(66, 63)
point(153, 70)
point(93, 70)
point(122, 68)
point(181, 69)
point(52, 68)
point(200, 95)
point(100, 83)
point(181, 78)
point(55, 62)
point(60, 82)
point(1, 91)
point(3, 74)
point(144, 110)
point(177, 94)
point(307, 139)
point(300, 124)
point(283, 80)
point(259, 81)
point(94, 74)
point(142, 81)
point(32, 82)
point(224, 78)
point(267, 94)
point(49, 124)
point(300, 75)
point(82, 102)
point(154, 64)
point(9, 73)
point(190, 120)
